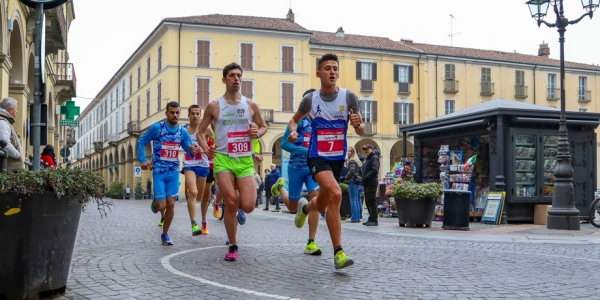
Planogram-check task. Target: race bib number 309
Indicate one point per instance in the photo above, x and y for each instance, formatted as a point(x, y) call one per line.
point(238, 144)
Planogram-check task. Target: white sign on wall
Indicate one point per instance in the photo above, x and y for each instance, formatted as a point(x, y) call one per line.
point(137, 171)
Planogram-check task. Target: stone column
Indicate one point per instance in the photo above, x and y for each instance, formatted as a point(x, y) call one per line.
point(129, 173)
point(5, 67)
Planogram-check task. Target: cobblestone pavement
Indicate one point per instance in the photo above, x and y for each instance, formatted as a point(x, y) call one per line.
point(120, 257)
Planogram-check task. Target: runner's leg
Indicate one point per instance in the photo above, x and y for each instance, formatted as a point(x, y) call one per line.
point(225, 183)
point(330, 198)
point(190, 182)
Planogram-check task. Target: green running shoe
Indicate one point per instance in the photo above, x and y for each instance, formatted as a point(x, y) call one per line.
point(196, 230)
point(312, 249)
point(275, 188)
point(161, 222)
point(341, 260)
point(300, 216)
point(153, 208)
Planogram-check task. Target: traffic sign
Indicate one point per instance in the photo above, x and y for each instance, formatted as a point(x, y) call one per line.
point(137, 171)
point(70, 123)
point(65, 152)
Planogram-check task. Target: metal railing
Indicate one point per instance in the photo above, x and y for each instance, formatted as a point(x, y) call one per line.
point(403, 88)
point(65, 72)
point(267, 114)
point(370, 128)
point(450, 86)
point(520, 91)
point(487, 89)
point(585, 96)
point(553, 94)
point(366, 85)
point(133, 127)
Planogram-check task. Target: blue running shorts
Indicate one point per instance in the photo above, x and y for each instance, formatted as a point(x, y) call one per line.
point(165, 185)
point(296, 179)
point(200, 171)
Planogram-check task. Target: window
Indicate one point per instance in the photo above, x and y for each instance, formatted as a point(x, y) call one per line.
point(130, 84)
point(520, 88)
point(368, 111)
point(366, 72)
point(130, 110)
point(583, 110)
point(117, 127)
point(202, 92)
point(110, 123)
point(486, 75)
point(552, 90)
point(138, 107)
point(583, 93)
point(123, 118)
point(159, 61)
point(403, 112)
point(147, 102)
point(117, 100)
point(287, 97)
point(450, 72)
point(403, 75)
point(203, 53)
point(247, 88)
point(148, 68)
point(449, 106)
point(158, 96)
point(520, 78)
point(287, 59)
point(139, 75)
point(246, 56)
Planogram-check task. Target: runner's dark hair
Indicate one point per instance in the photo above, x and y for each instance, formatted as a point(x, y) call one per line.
point(193, 106)
point(172, 104)
point(326, 57)
point(231, 66)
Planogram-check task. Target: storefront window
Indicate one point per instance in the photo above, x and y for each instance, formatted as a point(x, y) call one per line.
point(550, 151)
point(525, 176)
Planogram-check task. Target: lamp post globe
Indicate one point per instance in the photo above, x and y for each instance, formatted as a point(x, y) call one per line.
point(538, 8)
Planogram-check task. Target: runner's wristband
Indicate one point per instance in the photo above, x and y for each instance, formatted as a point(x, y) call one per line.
point(356, 127)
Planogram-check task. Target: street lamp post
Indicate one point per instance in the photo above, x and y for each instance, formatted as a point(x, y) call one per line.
point(563, 214)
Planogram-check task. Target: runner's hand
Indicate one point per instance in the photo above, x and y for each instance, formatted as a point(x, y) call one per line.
point(146, 166)
point(355, 119)
point(253, 132)
point(293, 136)
point(258, 157)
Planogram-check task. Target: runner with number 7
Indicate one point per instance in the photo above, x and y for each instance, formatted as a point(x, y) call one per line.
point(330, 108)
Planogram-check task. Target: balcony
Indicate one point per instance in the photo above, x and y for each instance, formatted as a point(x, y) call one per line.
point(267, 114)
point(66, 81)
point(366, 85)
point(521, 91)
point(56, 30)
point(487, 89)
point(370, 128)
point(553, 94)
point(133, 128)
point(71, 138)
point(450, 86)
point(87, 153)
point(79, 156)
point(585, 96)
point(98, 146)
point(113, 139)
point(403, 88)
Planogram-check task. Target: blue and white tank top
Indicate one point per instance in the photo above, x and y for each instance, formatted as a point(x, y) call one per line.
point(329, 127)
point(200, 159)
point(304, 130)
point(231, 129)
point(165, 150)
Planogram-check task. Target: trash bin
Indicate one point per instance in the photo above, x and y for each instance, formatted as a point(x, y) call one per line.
point(457, 206)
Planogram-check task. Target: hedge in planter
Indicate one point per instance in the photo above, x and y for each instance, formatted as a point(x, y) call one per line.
point(416, 202)
point(40, 216)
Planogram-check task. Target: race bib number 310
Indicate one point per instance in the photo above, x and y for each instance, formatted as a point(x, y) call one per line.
point(239, 144)
point(330, 142)
point(169, 151)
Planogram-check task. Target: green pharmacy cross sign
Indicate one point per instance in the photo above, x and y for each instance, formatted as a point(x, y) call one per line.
point(70, 110)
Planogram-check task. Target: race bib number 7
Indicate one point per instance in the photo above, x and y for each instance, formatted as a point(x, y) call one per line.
point(239, 144)
point(169, 151)
point(330, 142)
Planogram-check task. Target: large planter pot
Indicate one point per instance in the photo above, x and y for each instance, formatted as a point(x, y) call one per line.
point(345, 207)
point(139, 196)
point(38, 243)
point(415, 213)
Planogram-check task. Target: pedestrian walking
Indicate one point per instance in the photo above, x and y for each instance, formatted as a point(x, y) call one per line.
point(370, 180)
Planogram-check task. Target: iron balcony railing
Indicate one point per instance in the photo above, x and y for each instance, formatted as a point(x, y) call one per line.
point(370, 128)
point(267, 114)
point(133, 128)
point(366, 85)
point(553, 93)
point(65, 72)
point(584, 95)
point(487, 89)
point(403, 88)
point(520, 91)
point(450, 86)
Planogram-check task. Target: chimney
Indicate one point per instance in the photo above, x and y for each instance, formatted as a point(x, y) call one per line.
point(290, 16)
point(406, 41)
point(340, 33)
point(544, 50)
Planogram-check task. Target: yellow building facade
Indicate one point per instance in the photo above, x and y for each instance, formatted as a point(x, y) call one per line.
point(397, 83)
point(17, 68)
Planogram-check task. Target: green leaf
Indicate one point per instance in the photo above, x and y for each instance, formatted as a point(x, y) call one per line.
point(418, 191)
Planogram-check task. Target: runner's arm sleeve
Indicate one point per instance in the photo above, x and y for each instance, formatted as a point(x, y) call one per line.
point(186, 142)
point(289, 147)
point(151, 134)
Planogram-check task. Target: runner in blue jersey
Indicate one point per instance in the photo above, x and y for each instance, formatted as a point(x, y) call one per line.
point(298, 175)
point(331, 108)
point(166, 136)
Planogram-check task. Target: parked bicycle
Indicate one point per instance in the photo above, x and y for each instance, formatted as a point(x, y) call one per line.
point(594, 212)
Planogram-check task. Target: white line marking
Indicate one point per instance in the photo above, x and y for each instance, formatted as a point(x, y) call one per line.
point(165, 262)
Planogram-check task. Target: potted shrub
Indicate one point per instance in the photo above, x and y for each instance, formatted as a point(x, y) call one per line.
point(39, 218)
point(415, 202)
point(345, 206)
point(115, 190)
point(139, 191)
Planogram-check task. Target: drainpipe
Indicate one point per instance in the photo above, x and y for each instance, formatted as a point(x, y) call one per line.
point(179, 66)
point(534, 68)
point(436, 86)
point(419, 88)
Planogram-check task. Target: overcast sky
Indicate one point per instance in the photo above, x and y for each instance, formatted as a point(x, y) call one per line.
point(105, 33)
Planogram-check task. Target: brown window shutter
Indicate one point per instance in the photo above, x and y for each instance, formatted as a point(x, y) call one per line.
point(249, 57)
point(410, 74)
point(374, 71)
point(138, 107)
point(199, 50)
point(147, 103)
point(291, 59)
point(287, 59)
point(374, 111)
point(397, 112)
point(206, 53)
point(358, 70)
point(159, 65)
point(396, 73)
point(130, 84)
point(411, 113)
point(288, 97)
point(148, 68)
point(159, 96)
point(247, 89)
point(202, 93)
point(317, 64)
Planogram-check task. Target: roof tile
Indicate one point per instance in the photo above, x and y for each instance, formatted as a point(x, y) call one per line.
point(359, 41)
point(242, 21)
